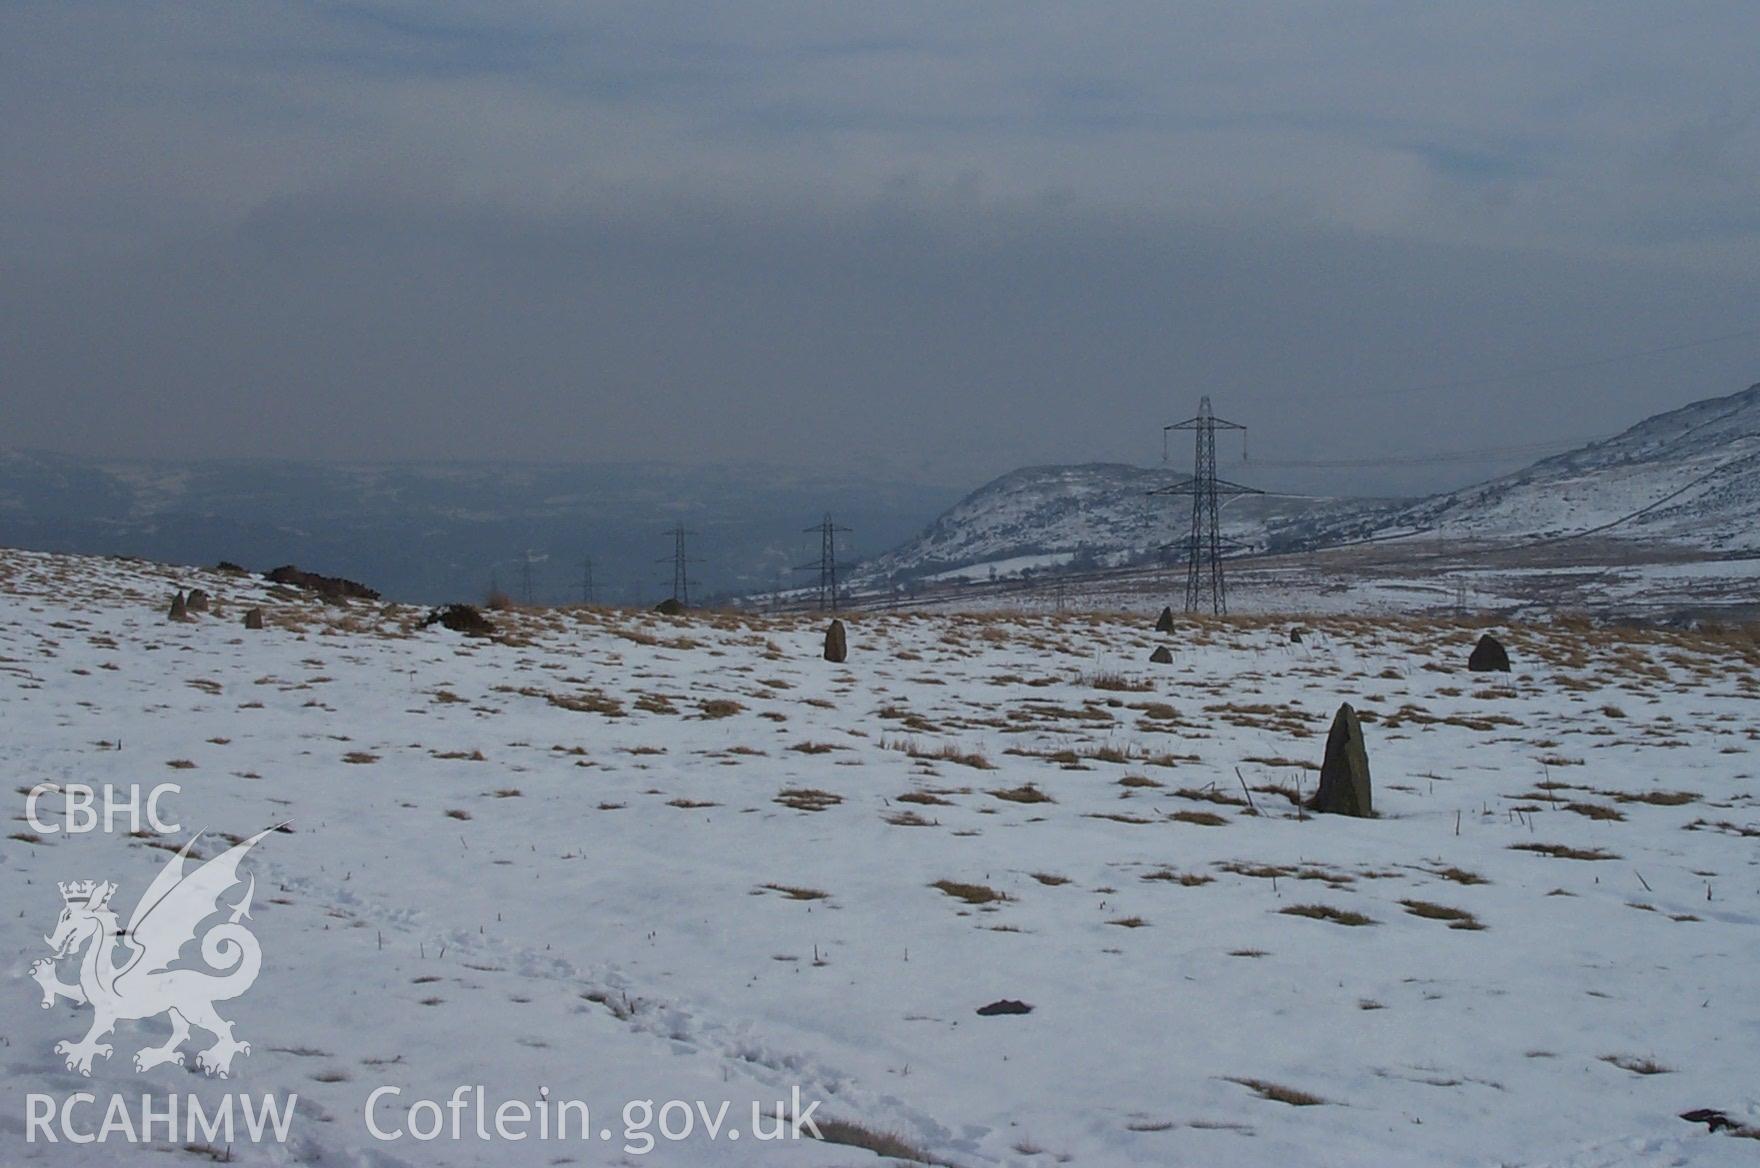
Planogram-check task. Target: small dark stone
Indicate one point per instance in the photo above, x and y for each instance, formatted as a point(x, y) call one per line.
point(1712, 1119)
point(1344, 775)
point(253, 618)
point(836, 643)
point(179, 608)
point(1162, 656)
point(1164, 622)
point(1004, 1006)
point(1488, 656)
point(197, 601)
point(670, 607)
point(1295, 636)
point(460, 618)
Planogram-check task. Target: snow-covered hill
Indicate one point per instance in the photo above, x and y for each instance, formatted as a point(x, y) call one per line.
point(616, 856)
point(1092, 515)
point(1690, 476)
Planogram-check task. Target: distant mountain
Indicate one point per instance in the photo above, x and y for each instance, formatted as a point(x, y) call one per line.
point(1094, 515)
point(430, 532)
point(1688, 477)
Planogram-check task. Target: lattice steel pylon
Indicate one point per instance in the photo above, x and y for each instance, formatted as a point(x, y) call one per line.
point(1204, 545)
point(681, 581)
point(826, 564)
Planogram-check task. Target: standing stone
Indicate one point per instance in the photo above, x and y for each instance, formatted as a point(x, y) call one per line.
point(669, 607)
point(1164, 622)
point(1295, 636)
point(1162, 656)
point(1344, 775)
point(179, 609)
point(1488, 656)
point(836, 643)
point(197, 602)
point(253, 619)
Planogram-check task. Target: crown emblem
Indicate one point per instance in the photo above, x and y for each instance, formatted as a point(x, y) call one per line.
point(91, 893)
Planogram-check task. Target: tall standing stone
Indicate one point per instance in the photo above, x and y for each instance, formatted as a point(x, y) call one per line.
point(179, 609)
point(1488, 656)
point(253, 618)
point(1164, 622)
point(836, 643)
point(197, 601)
point(1344, 775)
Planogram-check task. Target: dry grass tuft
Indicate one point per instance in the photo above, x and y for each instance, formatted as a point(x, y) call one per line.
point(1027, 793)
point(970, 893)
point(1325, 912)
point(807, 798)
point(1565, 851)
point(1278, 1093)
point(1457, 918)
point(888, 1145)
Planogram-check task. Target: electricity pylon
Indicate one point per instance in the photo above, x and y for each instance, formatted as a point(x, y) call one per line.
point(826, 564)
point(681, 583)
point(1204, 545)
point(587, 590)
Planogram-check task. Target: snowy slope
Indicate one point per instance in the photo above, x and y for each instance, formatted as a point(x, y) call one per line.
point(624, 856)
point(1690, 476)
point(1095, 514)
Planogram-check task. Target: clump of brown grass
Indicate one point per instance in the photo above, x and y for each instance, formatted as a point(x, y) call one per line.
point(719, 708)
point(970, 893)
point(888, 1145)
point(1277, 1092)
point(1026, 793)
point(1201, 818)
point(1638, 1066)
point(1457, 918)
point(1050, 879)
point(807, 798)
point(795, 893)
point(1325, 912)
point(1565, 851)
point(1186, 879)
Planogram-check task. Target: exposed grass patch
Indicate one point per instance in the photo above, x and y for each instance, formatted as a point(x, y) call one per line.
point(1457, 918)
point(1277, 1092)
point(719, 708)
point(1026, 793)
point(794, 893)
point(1050, 879)
point(1201, 818)
point(1325, 912)
point(1130, 922)
point(1638, 1066)
point(1187, 879)
point(807, 798)
point(1595, 810)
point(970, 893)
point(1565, 851)
point(888, 1145)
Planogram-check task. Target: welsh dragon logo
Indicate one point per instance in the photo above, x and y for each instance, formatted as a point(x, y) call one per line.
point(144, 984)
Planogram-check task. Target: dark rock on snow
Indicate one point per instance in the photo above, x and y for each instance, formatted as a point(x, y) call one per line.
point(253, 619)
point(1344, 775)
point(1164, 622)
point(460, 618)
point(836, 643)
point(1488, 656)
point(669, 607)
point(1162, 656)
point(332, 587)
point(1004, 1006)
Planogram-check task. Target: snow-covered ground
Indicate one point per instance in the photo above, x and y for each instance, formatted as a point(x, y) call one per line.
point(622, 856)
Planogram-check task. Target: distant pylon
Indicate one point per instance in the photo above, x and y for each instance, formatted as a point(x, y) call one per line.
point(525, 576)
point(826, 564)
point(587, 590)
point(1204, 545)
point(681, 582)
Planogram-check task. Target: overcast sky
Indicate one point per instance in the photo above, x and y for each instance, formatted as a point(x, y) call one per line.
point(935, 240)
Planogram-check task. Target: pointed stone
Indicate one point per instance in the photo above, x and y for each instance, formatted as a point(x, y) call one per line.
point(1344, 775)
point(197, 601)
point(1162, 656)
point(253, 618)
point(179, 609)
point(1164, 622)
point(1295, 636)
point(1489, 656)
point(836, 643)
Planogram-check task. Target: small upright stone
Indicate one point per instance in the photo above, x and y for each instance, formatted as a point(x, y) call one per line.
point(1162, 656)
point(179, 608)
point(197, 601)
point(253, 618)
point(1344, 775)
point(1164, 622)
point(836, 643)
point(670, 607)
point(1295, 636)
point(1489, 656)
